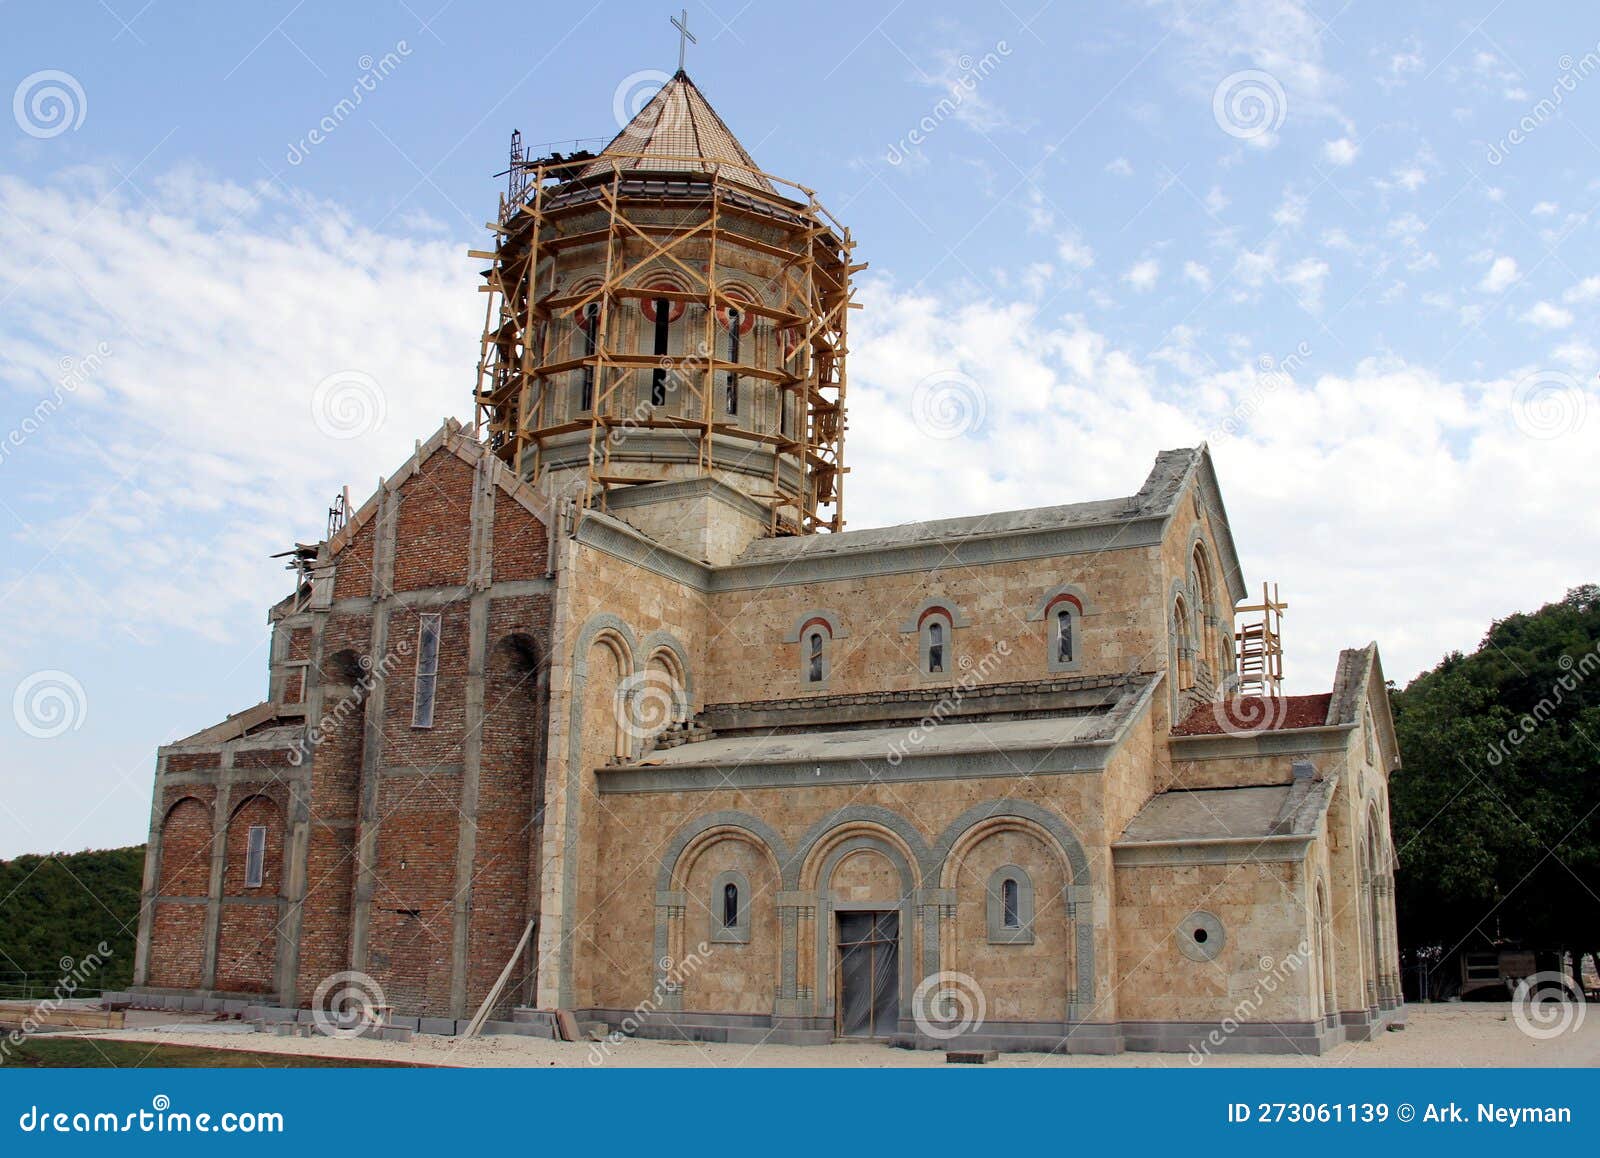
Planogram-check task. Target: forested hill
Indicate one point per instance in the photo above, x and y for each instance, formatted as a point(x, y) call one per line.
point(1497, 807)
point(56, 910)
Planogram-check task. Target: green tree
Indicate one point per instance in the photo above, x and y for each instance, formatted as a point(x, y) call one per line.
point(1497, 807)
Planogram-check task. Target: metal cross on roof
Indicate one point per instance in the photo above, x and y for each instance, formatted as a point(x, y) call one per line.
point(685, 37)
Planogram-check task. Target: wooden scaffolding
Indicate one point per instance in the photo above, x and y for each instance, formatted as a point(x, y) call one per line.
point(686, 219)
point(1259, 645)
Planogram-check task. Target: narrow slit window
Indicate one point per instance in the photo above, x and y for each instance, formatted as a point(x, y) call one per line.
point(658, 376)
point(935, 647)
point(815, 671)
point(255, 857)
point(1010, 904)
point(591, 343)
point(730, 906)
point(734, 321)
point(1064, 636)
point(427, 671)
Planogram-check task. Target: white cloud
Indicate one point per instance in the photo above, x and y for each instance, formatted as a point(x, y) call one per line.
point(1340, 152)
point(1305, 277)
point(1197, 273)
point(1121, 167)
point(1073, 250)
point(1291, 211)
point(1587, 290)
point(1143, 275)
point(1501, 276)
point(1547, 316)
point(1216, 200)
point(1546, 209)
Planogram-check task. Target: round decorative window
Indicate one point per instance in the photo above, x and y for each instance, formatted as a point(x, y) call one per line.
point(1200, 936)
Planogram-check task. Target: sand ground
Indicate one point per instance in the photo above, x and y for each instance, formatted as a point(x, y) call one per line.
point(1472, 1035)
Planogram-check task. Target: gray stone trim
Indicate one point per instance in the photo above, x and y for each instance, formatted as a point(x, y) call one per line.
point(663, 639)
point(1225, 850)
point(648, 494)
point(763, 832)
point(621, 541)
point(1079, 894)
point(739, 932)
point(823, 998)
point(433, 596)
point(957, 617)
point(1188, 936)
point(573, 802)
point(1072, 589)
point(832, 618)
point(860, 814)
point(1044, 760)
point(967, 551)
point(994, 907)
point(1278, 742)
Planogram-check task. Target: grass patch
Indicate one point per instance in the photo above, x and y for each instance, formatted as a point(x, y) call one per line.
point(99, 1053)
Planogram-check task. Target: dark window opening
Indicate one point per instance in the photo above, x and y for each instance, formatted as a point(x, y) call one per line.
point(427, 671)
point(734, 319)
point(730, 906)
point(658, 376)
point(815, 674)
point(1010, 904)
point(1063, 636)
point(935, 647)
point(1201, 936)
point(591, 342)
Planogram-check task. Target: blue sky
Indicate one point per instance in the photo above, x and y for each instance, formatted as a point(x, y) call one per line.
point(1351, 246)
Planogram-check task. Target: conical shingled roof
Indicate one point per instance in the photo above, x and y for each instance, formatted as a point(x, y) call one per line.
point(679, 132)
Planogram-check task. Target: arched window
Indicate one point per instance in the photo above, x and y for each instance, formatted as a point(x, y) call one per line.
point(730, 908)
point(1010, 906)
point(1062, 613)
point(935, 646)
point(660, 312)
point(588, 343)
point(812, 635)
point(735, 326)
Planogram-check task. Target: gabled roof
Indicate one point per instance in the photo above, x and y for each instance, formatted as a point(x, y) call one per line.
point(453, 438)
point(679, 132)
